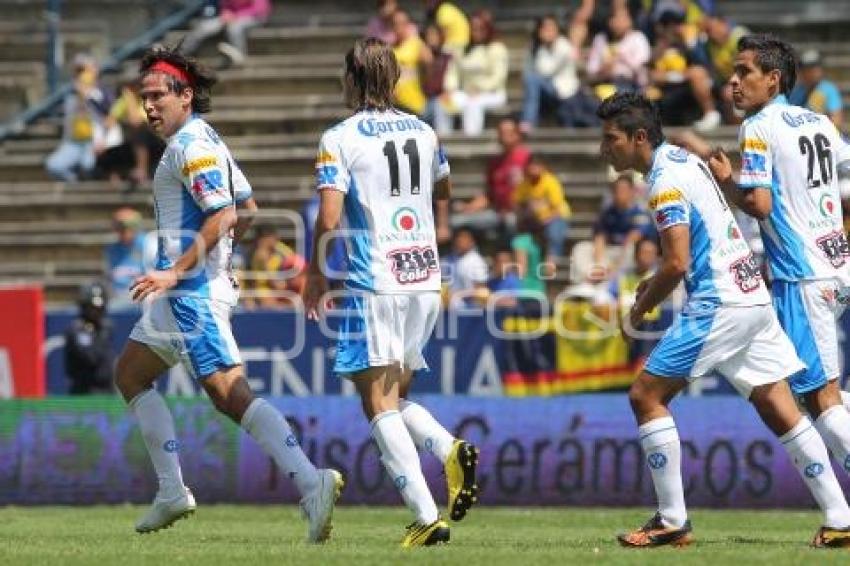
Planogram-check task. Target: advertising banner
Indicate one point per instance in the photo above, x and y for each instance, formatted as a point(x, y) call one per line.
point(570, 450)
point(21, 341)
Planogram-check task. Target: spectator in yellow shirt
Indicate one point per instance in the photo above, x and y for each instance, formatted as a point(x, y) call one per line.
point(410, 52)
point(477, 80)
point(452, 21)
point(541, 193)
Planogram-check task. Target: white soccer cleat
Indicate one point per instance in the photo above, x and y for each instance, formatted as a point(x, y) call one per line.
point(318, 506)
point(164, 512)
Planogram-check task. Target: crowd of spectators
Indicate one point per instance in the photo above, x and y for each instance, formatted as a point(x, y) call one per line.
point(512, 232)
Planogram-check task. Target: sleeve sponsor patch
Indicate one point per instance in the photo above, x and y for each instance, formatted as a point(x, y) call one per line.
point(326, 176)
point(665, 197)
point(199, 164)
point(753, 162)
point(753, 144)
point(670, 216)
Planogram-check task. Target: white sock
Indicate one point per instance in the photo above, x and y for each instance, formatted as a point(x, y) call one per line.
point(834, 427)
point(660, 441)
point(271, 431)
point(425, 431)
point(157, 426)
point(809, 455)
point(401, 461)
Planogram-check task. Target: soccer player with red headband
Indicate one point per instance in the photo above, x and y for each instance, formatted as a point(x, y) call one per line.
point(188, 296)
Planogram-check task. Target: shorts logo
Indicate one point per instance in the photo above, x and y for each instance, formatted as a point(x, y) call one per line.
point(171, 446)
point(813, 470)
point(412, 265)
point(847, 463)
point(835, 247)
point(198, 164)
point(291, 441)
point(405, 219)
point(656, 460)
point(753, 162)
point(400, 482)
point(746, 273)
point(208, 182)
point(429, 446)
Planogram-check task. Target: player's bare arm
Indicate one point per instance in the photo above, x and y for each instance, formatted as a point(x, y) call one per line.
point(756, 202)
point(330, 211)
point(216, 224)
point(443, 195)
point(246, 211)
point(676, 257)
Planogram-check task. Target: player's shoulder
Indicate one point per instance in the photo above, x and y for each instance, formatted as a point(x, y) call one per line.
point(196, 138)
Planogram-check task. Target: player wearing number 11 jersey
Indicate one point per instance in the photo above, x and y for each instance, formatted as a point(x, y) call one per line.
point(378, 173)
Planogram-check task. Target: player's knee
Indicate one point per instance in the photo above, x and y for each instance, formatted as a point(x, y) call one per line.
point(641, 398)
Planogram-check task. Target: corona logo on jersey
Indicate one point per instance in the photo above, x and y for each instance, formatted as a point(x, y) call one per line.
point(414, 264)
point(371, 127)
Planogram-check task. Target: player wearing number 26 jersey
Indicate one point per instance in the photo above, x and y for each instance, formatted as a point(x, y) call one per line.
point(793, 153)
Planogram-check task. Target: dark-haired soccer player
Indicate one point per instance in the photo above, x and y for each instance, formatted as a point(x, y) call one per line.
point(727, 324)
point(188, 297)
point(379, 171)
point(789, 182)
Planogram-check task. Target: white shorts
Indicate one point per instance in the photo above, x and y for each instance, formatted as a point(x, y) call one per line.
point(744, 344)
point(191, 330)
point(809, 312)
point(382, 330)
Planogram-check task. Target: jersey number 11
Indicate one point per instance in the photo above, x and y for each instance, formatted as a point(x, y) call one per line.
point(412, 153)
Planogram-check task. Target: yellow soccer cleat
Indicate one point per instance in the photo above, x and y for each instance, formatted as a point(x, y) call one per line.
point(426, 535)
point(460, 478)
point(828, 537)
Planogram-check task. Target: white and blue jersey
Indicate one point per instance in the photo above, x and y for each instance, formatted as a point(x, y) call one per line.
point(794, 153)
point(191, 323)
point(196, 177)
point(386, 163)
point(722, 272)
point(727, 324)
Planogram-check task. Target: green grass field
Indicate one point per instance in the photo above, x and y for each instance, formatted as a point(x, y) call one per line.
point(226, 534)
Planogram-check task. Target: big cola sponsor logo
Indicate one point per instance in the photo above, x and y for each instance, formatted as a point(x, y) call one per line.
point(746, 273)
point(835, 247)
point(413, 264)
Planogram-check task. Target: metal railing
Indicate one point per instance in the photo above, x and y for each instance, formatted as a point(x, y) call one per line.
point(19, 123)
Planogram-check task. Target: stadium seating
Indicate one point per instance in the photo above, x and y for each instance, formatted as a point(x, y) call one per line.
point(272, 110)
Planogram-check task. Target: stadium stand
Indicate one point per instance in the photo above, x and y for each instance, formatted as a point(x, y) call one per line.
point(272, 110)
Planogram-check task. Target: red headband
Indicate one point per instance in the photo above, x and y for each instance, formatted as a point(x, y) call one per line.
point(171, 70)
